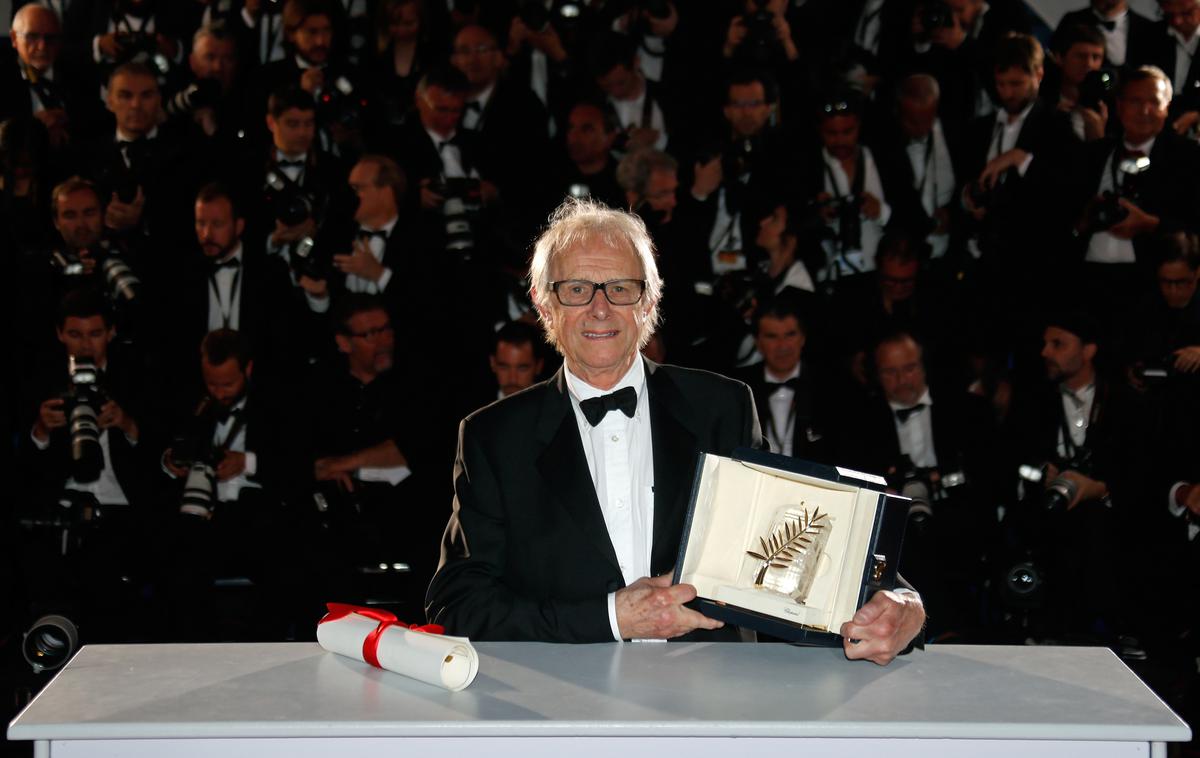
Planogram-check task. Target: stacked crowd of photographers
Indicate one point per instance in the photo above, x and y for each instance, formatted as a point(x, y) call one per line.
point(261, 258)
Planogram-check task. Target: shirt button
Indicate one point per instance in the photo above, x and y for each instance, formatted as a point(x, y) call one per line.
point(615, 438)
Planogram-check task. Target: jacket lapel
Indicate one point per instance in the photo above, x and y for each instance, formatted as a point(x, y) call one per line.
point(675, 449)
point(563, 466)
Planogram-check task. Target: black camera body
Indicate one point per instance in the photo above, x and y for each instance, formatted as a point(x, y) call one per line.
point(848, 212)
point(288, 201)
point(936, 15)
point(202, 93)
point(342, 104)
point(121, 284)
point(760, 37)
point(1097, 87)
point(81, 404)
point(136, 45)
point(200, 458)
point(1060, 491)
point(1107, 212)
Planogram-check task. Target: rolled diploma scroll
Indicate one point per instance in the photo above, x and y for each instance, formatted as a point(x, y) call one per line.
point(440, 660)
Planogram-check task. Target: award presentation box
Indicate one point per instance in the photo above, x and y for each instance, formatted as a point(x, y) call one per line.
point(788, 547)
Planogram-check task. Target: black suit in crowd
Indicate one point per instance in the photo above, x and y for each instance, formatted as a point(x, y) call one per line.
point(1142, 43)
point(526, 555)
point(811, 434)
point(17, 94)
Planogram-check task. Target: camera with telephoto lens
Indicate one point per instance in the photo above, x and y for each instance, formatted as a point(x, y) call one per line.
point(462, 199)
point(202, 93)
point(936, 15)
point(289, 203)
point(81, 405)
point(1097, 87)
point(1107, 212)
point(50, 642)
point(1060, 491)
point(200, 459)
point(313, 256)
point(342, 104)
point(123, 284)
point(924, 486)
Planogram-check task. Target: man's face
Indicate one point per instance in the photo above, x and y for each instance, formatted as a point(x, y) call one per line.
point(1182, 15)
point(440, 110)
point(214, 58)
point(660, 193)
point(747, 109)
point(901, 372)
point(1142, 108)
point(375, 204)
point(780, 340)
point(597, 340)
point(38, 43)
point(134, 102)
point(587, 142)
point(1064, 354)
point(225, 382)
point(293, 132)
point(79, 218)
point(1079, 59)
point(620, 83)
point(839, 135)
point(313, 39)
point(370, 344)
point(897, 279)
point(515, 366)
point(404, 22)
point(477, 56)
point(1177, 283)
point(86, 337)
point(1017, 88)
point(217, 230)
point(917, 117)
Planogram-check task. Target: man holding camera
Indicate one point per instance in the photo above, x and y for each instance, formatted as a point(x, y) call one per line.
point(212, 94)
point(1129, 38)
point(1142, 181)
point(230, 463)
point(1082, 96)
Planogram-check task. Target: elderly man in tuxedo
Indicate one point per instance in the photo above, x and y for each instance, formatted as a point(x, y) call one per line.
point(570, 496)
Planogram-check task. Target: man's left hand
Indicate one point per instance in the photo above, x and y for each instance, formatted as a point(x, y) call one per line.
point(883, 627)
point(1137, 222)
point(112, 416)
point(1087, 488)
point(871, 207)
point(1187, 359)
point(1000, 164)
point(233, 464)
point(360, 262)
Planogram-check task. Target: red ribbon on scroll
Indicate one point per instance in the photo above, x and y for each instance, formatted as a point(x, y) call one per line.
point(385, 618)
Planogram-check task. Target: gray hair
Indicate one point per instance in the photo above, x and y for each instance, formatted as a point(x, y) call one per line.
point(634, 170)
point(922, 89)
point(580, 221)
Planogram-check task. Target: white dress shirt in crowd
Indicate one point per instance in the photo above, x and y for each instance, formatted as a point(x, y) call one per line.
point(869, 26)
point(915, 433)
point(725, 239)
point(620, 458)
point(475, 106)
point(452, 162)
point(1077, 408)
point(126, 137)
point(270, 34)
point(1005, 134)
point(229, 490)
point(1185, 51)
point(781, 433)
point(839, 185)
point(225, 294)
point(933, 178)
point(1116, 41)
point(292, 166)
point(630, 112)
point(356, 283)
point(1103, 247)
point(1178, 511)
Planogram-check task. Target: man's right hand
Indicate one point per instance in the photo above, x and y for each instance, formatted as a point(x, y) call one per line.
point(282, 234)
point(430, 200)
point(317, 288)
point(312, 80)
point(51, 416)
point(652, 608)
point(109, 47)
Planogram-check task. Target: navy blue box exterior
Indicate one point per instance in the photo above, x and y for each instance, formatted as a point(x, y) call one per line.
point(887, 538)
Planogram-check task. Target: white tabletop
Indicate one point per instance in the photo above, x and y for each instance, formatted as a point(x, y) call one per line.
point(533, 689)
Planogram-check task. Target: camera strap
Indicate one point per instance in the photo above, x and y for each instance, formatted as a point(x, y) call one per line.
point(239, 421)
point(125, 24)
point(856, 183)
point(647, 107)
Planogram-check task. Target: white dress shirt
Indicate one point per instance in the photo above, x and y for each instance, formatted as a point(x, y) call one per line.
point(225, 299)
point(933, 177)
point(377, 245)
point(1116, 41)
point(1103, 247)
point(229, 490)
point(270, 35)
point(620, 459)
point(1178, 511)
point(629, 114)
point(869, 26)
point(1077, 408)
point(1004, 138)
point(781, 433)
point(1185, 51)
point(915, 434)
point(452, 163)
point(839, 185)
point(473, 117)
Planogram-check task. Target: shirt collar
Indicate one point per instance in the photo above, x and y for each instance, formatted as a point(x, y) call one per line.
point(439, 139)
point(236, 255)
point(1083, 395)
point(1002, 115)
point(484, 97)
point(768, 376)
point(385, 228)
point(580, 390)
point(1190, 42)
point(123, 137)
point(925, 399)
point(303, 64)
point(1145, 147)
point(282, 156)
point(1117, 19)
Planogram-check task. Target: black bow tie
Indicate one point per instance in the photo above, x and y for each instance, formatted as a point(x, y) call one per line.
point(474, 105)
point(367, 234)
point(903, 413)
point(442, 144)
point(596, 408)
point(233, 263)
point(132, 147)
point(1106, 24)
point(791, 384)
point(290, 164)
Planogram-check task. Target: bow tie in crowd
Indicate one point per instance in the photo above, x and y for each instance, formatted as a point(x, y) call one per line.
point(233, 263)
point(290, 164)
point(596, 408)
point(368, 234)
point(791, 384)
point(904, 413)
point(1106, 24)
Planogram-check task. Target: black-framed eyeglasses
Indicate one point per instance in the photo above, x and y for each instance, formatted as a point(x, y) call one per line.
point(34, 38)
point(580, 292)
point(371, 334)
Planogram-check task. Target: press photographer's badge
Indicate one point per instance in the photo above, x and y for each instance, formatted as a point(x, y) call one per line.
point(789, 557)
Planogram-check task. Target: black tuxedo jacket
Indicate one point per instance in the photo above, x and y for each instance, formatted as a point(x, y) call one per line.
point(526, 555)
point(1141, 43)
point(810, 440)
point(1162, 51)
